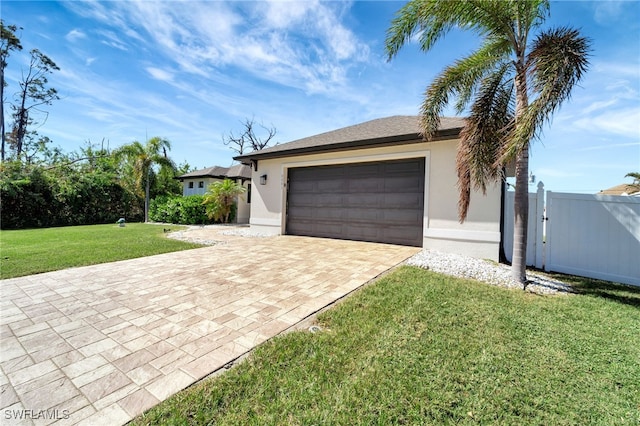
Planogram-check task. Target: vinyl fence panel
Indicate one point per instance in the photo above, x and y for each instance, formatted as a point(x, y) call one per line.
point(595, 236)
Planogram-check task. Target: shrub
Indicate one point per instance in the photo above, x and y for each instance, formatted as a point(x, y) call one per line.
point(220, 200)
point(28, 200)
point(180, 210)
point(36, 197)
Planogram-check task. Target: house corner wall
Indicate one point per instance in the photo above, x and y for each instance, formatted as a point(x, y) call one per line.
point(267, 202)
point(479, 235)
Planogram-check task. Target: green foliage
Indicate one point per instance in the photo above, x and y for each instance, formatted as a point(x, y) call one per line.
point(220, 199)
point(191, 210)
point(89, 187)
point(140, 159)
point(95, 199)
point(178, 209)
point(164, 182)
point(84, 193)
point(28, 198)
point(636, 179)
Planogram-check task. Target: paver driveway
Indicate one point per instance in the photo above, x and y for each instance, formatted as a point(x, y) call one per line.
point(101, 344)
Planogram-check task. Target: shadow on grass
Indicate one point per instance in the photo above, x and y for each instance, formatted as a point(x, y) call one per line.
point(620, 293)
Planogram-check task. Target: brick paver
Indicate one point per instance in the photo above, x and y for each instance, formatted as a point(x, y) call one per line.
point(101, 344)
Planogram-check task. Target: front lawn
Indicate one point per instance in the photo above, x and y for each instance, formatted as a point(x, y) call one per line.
point(423, 348)
point(32, 251)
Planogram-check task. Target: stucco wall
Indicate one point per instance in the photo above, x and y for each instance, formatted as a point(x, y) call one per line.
point(186, 191)
point(478, 236)
point(244, 208)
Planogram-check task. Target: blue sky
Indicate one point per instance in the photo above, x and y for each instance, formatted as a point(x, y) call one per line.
point(192, 71)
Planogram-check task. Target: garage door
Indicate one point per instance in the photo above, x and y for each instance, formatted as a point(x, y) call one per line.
point(377, 201)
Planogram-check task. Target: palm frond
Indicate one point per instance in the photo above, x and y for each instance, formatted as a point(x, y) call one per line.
point(491, 115)
point(157, 144)
point(405, 24)
point(433, 19)
point(481, 62)
point(462, 80)
point(557, 61)
point(635, 176)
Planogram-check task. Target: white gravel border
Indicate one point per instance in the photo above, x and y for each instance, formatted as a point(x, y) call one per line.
point(485, 271)
point(246, 232)
point(233, 230)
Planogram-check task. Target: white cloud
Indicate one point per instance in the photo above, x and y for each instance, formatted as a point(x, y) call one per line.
point(284, 14)
point(111, 39)
point(621, 70)
point(609, 146)
point(607, 11)
point(74, 35)
point(159, 74)
point(303, 45)
point(608, 103)
point(623, 122)
point(599, 105)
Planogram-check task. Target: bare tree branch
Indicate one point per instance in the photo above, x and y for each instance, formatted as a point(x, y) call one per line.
point(248, 139)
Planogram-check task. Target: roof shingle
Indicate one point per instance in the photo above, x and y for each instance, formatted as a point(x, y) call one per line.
point(375, 132)
point(236, 171)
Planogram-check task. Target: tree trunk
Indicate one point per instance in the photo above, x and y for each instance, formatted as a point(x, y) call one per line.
point(146, 197)
point(22, 116)
point(2, 155)
point(521, 199)
point(521, 210)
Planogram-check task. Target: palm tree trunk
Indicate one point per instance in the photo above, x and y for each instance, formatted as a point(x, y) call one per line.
point(521, 210)
point(521, 199)
point(2, 113)
point(146, 197)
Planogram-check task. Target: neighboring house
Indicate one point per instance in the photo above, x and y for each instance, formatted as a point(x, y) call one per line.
point(622, 189)
point(376, 181)
point(197, 182)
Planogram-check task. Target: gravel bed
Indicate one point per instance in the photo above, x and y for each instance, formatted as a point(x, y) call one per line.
point(245, 233)
point(234, 230)
point(181, 236)
point(486, 271)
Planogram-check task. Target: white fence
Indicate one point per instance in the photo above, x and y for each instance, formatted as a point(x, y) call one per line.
point(596, 236)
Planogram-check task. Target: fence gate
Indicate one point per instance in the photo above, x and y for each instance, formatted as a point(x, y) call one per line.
point(595, 236)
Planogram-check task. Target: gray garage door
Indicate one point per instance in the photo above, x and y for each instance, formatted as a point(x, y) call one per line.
point(378, 201)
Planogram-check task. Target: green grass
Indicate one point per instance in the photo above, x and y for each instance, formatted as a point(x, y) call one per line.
point(422, 348)
point(32, 251)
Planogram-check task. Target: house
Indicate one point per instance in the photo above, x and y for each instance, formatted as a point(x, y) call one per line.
point(197, 182)
point(375, 181)
point(622, 189)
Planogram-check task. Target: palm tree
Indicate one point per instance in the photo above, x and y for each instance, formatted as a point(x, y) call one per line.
point(220, 199)
point(142, 159)
point(636, 179)
point(513, 83)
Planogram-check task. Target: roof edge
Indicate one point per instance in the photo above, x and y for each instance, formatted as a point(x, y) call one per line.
point(345, 146)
